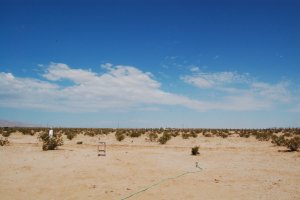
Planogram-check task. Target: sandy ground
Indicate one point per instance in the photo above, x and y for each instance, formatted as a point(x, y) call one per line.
point(232, 168)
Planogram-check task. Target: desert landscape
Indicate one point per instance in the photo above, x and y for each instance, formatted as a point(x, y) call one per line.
point(231, 164)
point(149, 100)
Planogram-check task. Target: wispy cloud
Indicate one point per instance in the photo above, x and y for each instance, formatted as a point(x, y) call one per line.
point(277, 92)
point(241, 92)
point(210, 80)
point(194, 68)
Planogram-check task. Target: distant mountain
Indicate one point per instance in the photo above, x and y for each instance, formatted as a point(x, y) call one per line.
point(6, 123)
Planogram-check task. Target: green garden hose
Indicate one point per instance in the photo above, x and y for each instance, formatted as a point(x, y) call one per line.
point(163, 180)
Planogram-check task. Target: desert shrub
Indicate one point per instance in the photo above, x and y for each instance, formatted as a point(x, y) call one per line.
point(194, 134)
point(263, 136)
point(27, 131)
point(293, 144)
point(70, 134)
point(288, 134)
point(174, 133)
point(195, 150)
point(79, 142)
point(6, 133)
point(206, 134)
point(97, 131)
point(106, 131)
point(135, 134)
point(164, 138)
point(119, 136)
point(3, 141)
point(185, 135)
point(51, 143)
point(279, 141)
point(222, 134)
point(152, 136)
point(89, 133)
point(297, 132)
point(244, 134)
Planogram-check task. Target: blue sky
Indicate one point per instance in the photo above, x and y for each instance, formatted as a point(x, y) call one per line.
point(217, 64)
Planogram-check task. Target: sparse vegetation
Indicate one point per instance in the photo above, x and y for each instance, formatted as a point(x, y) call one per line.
point(70, 135)
point(174, 133)
point(195, 150)
point(3, 141)
point(206, 134)
point(263, 136)
point(119, 136)
point(6, 133)
point(293, 144)
point(193, 134)
point(152, 136)
point(135, 133)
point(278, 140)
point(185, 135)
point(164, 138)
point(50, 143)
point(222, 134)
point(279, 136)
point(244, 134)
point(27, 131)
point(79, 142)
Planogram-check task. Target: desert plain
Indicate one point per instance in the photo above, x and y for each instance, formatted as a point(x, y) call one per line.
point(228, 168)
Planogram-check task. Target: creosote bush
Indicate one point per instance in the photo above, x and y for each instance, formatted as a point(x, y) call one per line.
point(195, 150)
point(222, 134)
point(3, 141)
point(185, 135)
point(70, 134)
point(279, 141)
point(6, 133)
point(193, 134)
point(164, 138)
point(51, 143)
point(119, 136)
point(293, 144)
point(263, 136)
point(135, 134)
point(27, 131)
point(244, 134)
point(206, 134)
point(174, 133)
point(152, 136)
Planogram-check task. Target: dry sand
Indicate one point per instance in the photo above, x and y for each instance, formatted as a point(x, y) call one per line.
point(233, 168)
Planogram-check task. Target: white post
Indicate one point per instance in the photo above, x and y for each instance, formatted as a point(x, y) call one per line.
point(51, 133)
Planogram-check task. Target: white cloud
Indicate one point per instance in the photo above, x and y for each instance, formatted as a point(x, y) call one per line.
point(278, 91)
point(120, 87)
point(125, 87)
point(107, 66)
point(241, 92)
point(57, 71)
